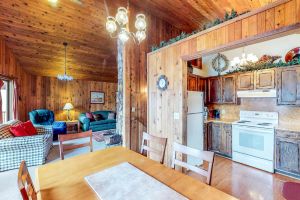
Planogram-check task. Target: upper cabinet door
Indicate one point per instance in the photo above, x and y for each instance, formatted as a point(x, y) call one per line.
point(229, 89)
point(246, 81)
point(288, 86)
point(192, 83)
point(214, 90)
point(265, 79)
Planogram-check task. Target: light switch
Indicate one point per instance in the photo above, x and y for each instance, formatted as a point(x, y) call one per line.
point(133, 109)
point(176, 115)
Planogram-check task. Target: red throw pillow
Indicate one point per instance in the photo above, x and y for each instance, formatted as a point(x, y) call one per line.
point(90, 116)
point(23, 129)
point(30, 129)
point(18, 131)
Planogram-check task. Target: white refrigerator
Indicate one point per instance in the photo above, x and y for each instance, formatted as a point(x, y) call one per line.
point(195, 121)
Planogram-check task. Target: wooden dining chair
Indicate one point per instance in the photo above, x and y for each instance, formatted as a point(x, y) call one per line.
point(25, 183)
point(157, 141)
point(202, 155)
point(68, 137)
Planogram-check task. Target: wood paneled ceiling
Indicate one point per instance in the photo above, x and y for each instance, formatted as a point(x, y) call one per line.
point(189, 15)
point(35, 30)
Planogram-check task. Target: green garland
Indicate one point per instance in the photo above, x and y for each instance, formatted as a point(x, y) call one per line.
point(261, 66)
point(183, 35)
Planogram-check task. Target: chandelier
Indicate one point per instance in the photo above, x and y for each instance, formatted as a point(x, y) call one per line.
point(65, 77)
point(117, 26)
point(246, 59)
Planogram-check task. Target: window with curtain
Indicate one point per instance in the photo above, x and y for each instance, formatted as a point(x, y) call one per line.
point(6, 100)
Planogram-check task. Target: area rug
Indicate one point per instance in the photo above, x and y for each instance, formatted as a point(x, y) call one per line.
point(99, 135)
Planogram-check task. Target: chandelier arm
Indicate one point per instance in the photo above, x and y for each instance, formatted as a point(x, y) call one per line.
point(106, 7)
point(133, 37)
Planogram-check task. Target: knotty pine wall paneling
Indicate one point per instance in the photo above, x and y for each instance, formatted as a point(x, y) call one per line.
point(170, 61)
point(53, 94)
point(136, 70)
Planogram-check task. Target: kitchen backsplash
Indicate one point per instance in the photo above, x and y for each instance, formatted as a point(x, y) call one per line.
point(288, 115)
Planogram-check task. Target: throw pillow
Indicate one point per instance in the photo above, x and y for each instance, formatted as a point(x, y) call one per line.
point(111, 115)
point(30, 129)
point(4, 131)
point(90, 116)
point(98, 117)
point(19, 131)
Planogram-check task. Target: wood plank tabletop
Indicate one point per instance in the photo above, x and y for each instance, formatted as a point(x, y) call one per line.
point(65, 179)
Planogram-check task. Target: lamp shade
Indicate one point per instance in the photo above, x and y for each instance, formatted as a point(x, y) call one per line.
point(68, 106)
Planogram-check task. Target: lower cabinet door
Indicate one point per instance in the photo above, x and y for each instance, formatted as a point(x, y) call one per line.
point(216, 137)
point(287, 155)
point(226, 139)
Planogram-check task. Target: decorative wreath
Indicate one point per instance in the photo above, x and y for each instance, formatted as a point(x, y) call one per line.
point(215, 63)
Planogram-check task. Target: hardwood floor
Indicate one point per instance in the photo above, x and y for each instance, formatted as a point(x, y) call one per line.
point(246, 183)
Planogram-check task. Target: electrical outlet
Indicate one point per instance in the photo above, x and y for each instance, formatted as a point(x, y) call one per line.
point(176, 115)
point(133, 109)
point(223, 112)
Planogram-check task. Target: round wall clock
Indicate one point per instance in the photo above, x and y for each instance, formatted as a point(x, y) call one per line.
point(220, 63)
point(162, 82)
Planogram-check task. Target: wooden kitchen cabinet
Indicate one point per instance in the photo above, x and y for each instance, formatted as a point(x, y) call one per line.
point(226, 140)
point(214, 90)
point(288, 151)
point(192, 83)
point(216, 137)
point(219, 138)
point(229, 89)
point(265, 79)
point(245, 81)
point(288, 86)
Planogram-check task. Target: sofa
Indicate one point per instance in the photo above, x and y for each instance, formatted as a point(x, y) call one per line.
point(44, 117)
point(33, 149)
point(103, 124)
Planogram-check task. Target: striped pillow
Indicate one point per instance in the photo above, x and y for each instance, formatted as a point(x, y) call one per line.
point(4, 131)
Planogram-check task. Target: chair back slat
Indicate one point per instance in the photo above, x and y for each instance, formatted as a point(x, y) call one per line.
point(202, 155)
point(25, 183)
point(69, 137)
point(162, 142)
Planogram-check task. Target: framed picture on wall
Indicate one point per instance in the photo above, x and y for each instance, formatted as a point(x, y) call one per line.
point(97, 97)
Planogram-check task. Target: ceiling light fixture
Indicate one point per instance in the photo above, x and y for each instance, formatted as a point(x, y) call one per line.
point(65, 77)
point(53, 2)
point(118, 26)
point(246, 59)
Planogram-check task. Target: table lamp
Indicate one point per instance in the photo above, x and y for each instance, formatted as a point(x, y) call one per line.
point(68, 107)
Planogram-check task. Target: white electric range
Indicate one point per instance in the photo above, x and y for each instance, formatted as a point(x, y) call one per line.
point(253, 139)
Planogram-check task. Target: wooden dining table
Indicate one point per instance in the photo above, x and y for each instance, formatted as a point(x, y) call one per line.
point(64, 180)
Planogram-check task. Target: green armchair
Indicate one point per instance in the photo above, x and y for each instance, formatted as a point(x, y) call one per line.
point(103, 124)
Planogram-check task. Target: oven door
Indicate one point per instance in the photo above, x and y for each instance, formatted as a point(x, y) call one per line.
point(258, 142)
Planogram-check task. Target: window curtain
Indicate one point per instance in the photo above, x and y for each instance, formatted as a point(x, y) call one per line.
point(1, 115)
point(15, 99)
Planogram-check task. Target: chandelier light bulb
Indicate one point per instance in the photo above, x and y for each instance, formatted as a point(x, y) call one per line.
point(121, 16)
point(140, 23)
point(53, 2)
point(111, 25)
point(140, 35)
point(123, 35)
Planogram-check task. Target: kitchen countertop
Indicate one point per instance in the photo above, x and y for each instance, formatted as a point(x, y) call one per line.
point(224, 121)
point(288, 127)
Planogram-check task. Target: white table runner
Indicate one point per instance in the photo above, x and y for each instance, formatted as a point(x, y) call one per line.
point(125, 181)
